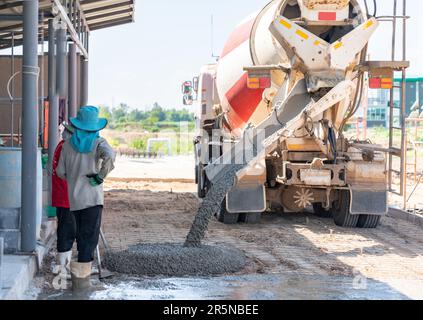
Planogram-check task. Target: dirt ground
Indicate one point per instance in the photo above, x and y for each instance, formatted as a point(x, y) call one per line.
point(290, 256)
point(153, 211)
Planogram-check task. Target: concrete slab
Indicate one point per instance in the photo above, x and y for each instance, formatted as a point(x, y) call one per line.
point(407, 216)
point(17, 272)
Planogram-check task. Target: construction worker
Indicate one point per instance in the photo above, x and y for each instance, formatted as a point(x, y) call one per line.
point(66, 226)
point(85, 162)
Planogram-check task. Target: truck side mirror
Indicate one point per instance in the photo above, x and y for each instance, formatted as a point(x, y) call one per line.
point(195, 82)
point(188, 93)
point(187, 87)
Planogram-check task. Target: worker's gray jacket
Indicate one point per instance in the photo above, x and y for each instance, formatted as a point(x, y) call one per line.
point(74, 168)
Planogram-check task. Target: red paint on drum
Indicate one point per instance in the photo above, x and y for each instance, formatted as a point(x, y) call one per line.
point(238, 37)
point(243, 101)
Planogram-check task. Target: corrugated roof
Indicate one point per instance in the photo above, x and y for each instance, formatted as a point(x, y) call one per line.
point(108, 13)
point(95, 14)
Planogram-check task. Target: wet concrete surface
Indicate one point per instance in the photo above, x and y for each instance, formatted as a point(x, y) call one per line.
point(176, 260)
point(244, 287)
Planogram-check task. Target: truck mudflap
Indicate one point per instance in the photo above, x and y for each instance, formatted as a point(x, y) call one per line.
point(367, 181)
point(369, 202)
point(246, 200)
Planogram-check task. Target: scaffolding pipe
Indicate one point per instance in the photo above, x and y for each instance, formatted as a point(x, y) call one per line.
point(53, 109)
point(30, 73)
point(61, 70)
point(78, 79)
point(12, 103)
point(1, 262)
point(41, 83)
point(404, 111)
point(391, 100)
point(84, 82)
point(72, 84)
point(61, 62)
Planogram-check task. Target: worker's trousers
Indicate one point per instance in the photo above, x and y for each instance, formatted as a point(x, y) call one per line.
point(66, 230)
point(88, 223)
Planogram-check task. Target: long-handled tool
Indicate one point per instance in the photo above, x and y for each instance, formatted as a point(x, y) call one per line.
point(103, 273)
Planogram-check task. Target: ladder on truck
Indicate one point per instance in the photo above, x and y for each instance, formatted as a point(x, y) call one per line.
point(396, 152)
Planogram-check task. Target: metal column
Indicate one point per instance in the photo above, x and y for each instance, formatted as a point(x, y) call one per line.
point(53, 111)
point(72, 81)
point(61, 70)
point(84, 82)
point(30, 73)
point(78, 79)
point(1, 262)
point(404, 110)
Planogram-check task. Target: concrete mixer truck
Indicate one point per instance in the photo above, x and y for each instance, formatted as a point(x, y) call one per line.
point(278, 100)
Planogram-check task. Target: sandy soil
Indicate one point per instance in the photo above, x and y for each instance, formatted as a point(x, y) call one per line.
point(292, 245)
point(299, 243)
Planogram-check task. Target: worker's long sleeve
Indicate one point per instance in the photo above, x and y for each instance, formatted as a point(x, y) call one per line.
point(107, 156)
point(76, 167)
point(61, 167)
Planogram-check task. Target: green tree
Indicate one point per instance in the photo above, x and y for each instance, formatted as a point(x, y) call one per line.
point(157, 112)
point(185, 115)
point(137, 116)
point(119, 114)
point(174, 116)
point(105, 113)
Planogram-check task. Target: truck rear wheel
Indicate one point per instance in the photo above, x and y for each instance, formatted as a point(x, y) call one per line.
point(322, 212)
point(341, 211)
point(366, 221)
point(226, 217)
point(202, 182)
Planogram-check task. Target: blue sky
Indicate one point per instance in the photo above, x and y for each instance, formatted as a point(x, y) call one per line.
point(147, 61)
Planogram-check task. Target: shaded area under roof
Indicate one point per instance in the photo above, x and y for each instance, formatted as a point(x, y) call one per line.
point(86, 16)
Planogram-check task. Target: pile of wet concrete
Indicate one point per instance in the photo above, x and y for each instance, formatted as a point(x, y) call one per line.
point(176, 260)
point(192, 257)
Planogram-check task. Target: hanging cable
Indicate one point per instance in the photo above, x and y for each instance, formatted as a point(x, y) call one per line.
point(374, 9)
point(8, 85)
point(333, 145)
point(367, 9)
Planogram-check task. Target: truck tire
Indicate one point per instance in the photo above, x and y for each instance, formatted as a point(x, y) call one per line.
point(341, 211)
point(322, 212)
point(201, 192)
point(226, 217)
point(366, 221)
point(250, 218)
point(201, 180)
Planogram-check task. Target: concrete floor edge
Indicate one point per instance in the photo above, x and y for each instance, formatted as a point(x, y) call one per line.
point(18, 271)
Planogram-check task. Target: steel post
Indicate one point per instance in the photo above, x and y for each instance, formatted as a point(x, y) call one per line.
point(404, 111)
point(53, 111)
point(61, 69)
point(1, 263)
point(84, 82)
point(72, 81)
point(30, 73)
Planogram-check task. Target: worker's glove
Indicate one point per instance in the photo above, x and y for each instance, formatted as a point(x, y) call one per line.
point(95, 180)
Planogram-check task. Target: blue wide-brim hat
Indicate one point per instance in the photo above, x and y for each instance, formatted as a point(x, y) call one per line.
point(88, 120)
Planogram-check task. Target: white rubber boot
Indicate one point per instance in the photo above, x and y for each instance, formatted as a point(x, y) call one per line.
point(65, 260)
point(63, 267)
point(80, 273)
